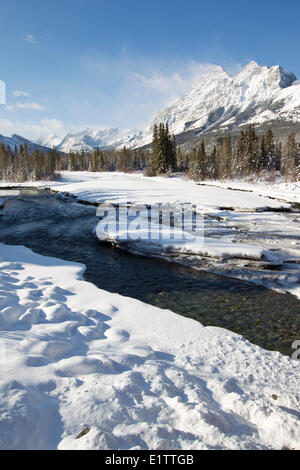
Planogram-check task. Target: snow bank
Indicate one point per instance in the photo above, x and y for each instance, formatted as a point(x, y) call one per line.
point(76, 358)
point(109, 187)
point(236, 224)
point(136, 188)
point(134, 237)
point(283, 191)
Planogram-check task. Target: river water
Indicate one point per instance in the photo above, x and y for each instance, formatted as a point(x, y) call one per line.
point(64, 229)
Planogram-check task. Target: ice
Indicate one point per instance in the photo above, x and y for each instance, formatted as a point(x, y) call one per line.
point(250, 231)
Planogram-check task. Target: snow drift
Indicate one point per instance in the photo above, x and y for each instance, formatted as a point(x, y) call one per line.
point(87, 369)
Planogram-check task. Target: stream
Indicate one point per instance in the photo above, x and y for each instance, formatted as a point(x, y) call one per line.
point(61, 228)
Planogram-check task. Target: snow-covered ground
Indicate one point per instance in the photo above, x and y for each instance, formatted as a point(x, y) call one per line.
point(113, 187)
point(131, 376)
point(74, 357)
point(136, 188)
point(284, 191)
point(245, 234)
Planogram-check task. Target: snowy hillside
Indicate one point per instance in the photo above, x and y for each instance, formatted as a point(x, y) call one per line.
point(219, 101)
point(17, 141)
point(216, 102)
point(89, 139)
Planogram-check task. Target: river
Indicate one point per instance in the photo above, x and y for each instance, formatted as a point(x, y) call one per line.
point(60, 228)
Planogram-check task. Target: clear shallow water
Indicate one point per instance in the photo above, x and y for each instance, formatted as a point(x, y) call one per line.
point(64, 229)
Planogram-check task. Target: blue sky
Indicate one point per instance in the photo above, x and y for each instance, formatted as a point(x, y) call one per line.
point(71, 64)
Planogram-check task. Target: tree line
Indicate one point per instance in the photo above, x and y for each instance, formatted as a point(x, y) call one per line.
point(19, 165)
point(248, 155)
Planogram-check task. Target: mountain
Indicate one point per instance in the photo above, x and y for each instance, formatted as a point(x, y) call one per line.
point(16, 141)
point(217, 103)
point(89, 139)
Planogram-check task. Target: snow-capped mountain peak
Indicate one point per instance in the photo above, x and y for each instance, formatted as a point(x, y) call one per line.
point(91, 138)
point(216, 102)
point(219, 100)
point(15, 141)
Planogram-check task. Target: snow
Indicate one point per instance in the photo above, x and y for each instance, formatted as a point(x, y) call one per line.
point(8, 193)
point(164, 241)
point(217, 99)
point(242, 236)
point(236, 228)
point(91, 138)
point(284, 191)
point(138, 189)
point(17, 141)
point(136, 376)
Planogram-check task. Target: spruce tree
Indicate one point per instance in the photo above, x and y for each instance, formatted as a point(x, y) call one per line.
point(199, 163)
point(263, 156)
point(157, 163)
point(270, 150)
point(290, 156)
point(252, 151)
point(224, 156)
point(163, 150)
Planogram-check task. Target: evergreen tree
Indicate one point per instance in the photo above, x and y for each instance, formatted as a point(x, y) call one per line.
point(157, 163)
point(270, 150)
point(263, 157)
point(252, 150)
point(199, 163)
point(240, 160)
point(290, 156)
point(224, 156)
point(163, 150)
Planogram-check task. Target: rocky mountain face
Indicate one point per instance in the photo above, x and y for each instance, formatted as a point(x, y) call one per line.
point(217, 104)
point(17, 140)
point(90, 139)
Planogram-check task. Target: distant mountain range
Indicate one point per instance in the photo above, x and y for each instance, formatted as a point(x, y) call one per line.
point(217, 103)
point(17, 140)
point(89, 139)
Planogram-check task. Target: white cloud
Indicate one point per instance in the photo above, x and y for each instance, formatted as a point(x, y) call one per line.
point(161, 83)
point(29, 105)
point(19, 93)
point(9, 107)
point(31, 39)
point(174, 83)
point(33, 130)
point(139, 87)
point(53, 124)
point(126, 89)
